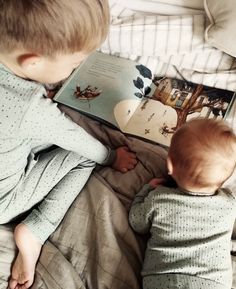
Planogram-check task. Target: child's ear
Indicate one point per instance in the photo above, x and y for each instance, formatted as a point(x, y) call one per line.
point(169, 166)
point(28, 60)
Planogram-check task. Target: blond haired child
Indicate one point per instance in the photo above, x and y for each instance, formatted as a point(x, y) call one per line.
point(191, 225)
point(42, 42)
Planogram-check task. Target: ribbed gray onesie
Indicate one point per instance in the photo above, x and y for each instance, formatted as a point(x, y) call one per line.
point(190, 241)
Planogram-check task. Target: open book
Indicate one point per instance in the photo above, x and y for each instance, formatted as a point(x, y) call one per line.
point(126, 95)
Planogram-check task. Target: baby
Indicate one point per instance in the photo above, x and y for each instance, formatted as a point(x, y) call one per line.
point(191, 225)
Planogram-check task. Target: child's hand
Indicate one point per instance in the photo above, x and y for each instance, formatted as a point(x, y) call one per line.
point(156, 182)
point(125, 160)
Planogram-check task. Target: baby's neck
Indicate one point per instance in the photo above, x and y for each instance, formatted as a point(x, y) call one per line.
point(203, 191)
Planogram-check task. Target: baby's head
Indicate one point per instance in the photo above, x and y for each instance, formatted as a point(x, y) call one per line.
point(53, 29)
point(202, 155)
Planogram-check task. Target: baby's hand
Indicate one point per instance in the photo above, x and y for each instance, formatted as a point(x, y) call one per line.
point(156, 182)
point(125, 160)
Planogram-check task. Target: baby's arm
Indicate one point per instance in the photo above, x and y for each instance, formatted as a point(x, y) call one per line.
point(141, 212)
point(156, 182)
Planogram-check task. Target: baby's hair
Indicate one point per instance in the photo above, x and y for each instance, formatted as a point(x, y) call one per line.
point(50, 27)
point(200, 149)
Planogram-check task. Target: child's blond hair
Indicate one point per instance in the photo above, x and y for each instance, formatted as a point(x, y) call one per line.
point(201, 149)
point(50, 27)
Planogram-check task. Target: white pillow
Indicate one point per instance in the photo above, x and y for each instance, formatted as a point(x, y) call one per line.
point(222, 29)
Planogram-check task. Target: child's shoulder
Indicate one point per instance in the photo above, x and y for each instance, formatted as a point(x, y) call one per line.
point(16, 97)
point(17, 91)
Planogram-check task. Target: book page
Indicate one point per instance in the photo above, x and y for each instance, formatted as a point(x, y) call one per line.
point(98, 86)
point(172, 103)
point(149, 121)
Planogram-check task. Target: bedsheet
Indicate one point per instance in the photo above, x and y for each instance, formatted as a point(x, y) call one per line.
point(84, 252)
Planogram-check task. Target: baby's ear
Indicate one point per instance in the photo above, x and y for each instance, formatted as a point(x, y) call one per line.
point(169, 166)
point(28, 60)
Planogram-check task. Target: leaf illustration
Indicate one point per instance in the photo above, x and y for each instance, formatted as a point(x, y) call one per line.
point(144, 71)
point(138, 83)
point(138, 94)
point(147, 90)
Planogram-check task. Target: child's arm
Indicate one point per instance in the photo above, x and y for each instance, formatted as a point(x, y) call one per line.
point(120, 159)
point(45, 122)
point(141, 212)
point(143, 206)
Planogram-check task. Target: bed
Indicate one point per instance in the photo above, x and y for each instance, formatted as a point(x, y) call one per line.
point(94, 247)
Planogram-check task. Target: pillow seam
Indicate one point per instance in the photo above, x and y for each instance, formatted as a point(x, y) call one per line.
point(211, 18)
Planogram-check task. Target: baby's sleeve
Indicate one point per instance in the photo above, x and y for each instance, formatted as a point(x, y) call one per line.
point(141, 212)
point(45, 123)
